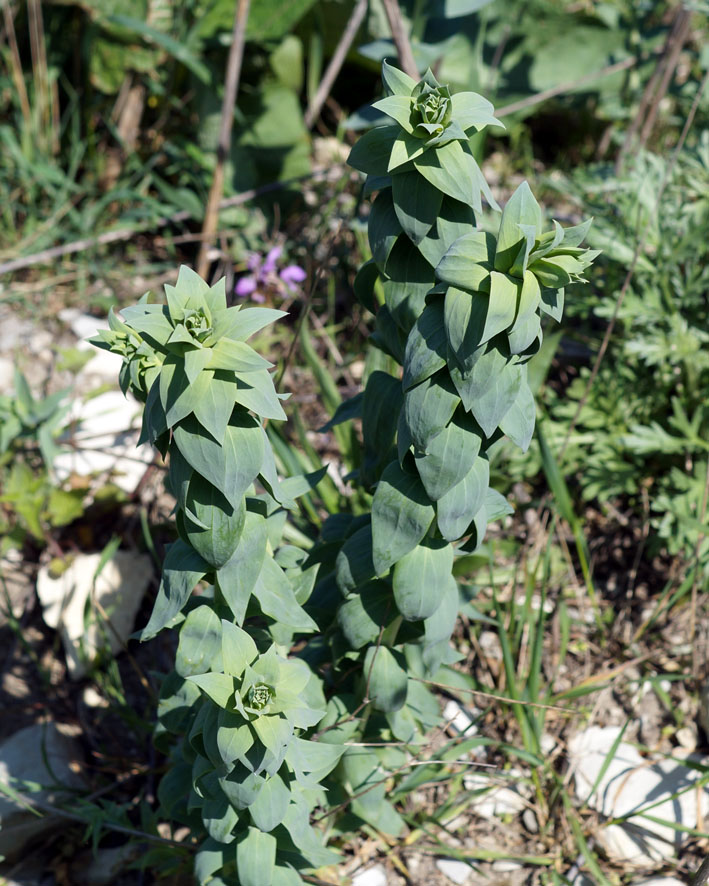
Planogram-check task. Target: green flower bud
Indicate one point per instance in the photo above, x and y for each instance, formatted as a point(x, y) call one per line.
point(432, 109)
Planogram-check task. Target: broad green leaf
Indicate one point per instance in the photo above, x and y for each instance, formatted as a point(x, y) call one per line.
point(238, 649)
point(200, 645)
point(233, 467)
point(316, 758)
point(234, 736)
point(398, 107)
point(247, 321)
point(273, 732)
point(404, 149)
point(416, 203)
point(215, 393)
point(518, 423)
point(354, 565)
point(236, 579)
point(524, 334)
point(489, 389)
point(269, 808)
point(439, 626)
point(383, 228)
point(256, 858)
point(196, 360)
point(552, 303)
point(372, 150)
point(177, 396)
point(464, 316)
point(453, 170)
point(346, 411)
point(363, 286)
point(219, 818)
point(419, 576)
point(529, 298)
point(218, 527)
point(364, 778)
point(182, 569)
point(457, 508)
point(472, 110)
point(521, 209)
point(361, 618)
point(308, 840)
point(426, 345)
point(383, 399)
point(151, 321)
point(468, 262)
point(550, 272)
point(208, 861)
point(386, 678)
point(428, 407)
point(236, 356)
point(219, 687)
point(450, 456)
point(575, 235)
point(410, 278)
point(396, 82)
point(256, 392)
point(277, 600)
point(502, 305)
point(454, 220)
point(401, 515)
point(286, 876)
point(388, 335)
point(241, 786)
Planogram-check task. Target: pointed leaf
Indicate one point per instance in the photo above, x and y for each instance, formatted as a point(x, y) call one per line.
point(426, 345)
point(468, 262)
point(219, 687)
point(386, 678)
point(502, 305)
point(450, 456)
point(521, 209)
point(401, 515)
point(182, 569)
point(256, 858)
point(236, 579)
point(416, 203)
point(277, 600)
point(453, 170)
point(398, 107)
point(396, 82)
point(458, 507)
point(238, 649)
point(428, 407)
point(472, 110)
point(419, 576)
point(269, 808)
point(200, 646)
point(518, 424)
point(371, 151)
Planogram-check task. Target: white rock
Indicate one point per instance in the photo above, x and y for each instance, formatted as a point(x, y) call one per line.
point(457, 871)
point(459, 718)
point(118, 590)
point(374, 876)
point(506, 866)
point(43, 754)
point(104, 365)
point(660, 881)
point(494, 800)
point(104, 441)
point(632, 782)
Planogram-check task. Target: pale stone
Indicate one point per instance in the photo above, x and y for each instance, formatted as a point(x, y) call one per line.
point(105, 441)
point(459, 719)
point(44, 755)
point(632, 782)
point(457, 871)
point(496, 800)
point(660, 881)
point(7, 375)
point(374, 876)
point(117, 592)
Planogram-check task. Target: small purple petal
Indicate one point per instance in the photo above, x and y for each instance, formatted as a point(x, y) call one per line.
point(293, 274)
point(253, 262)
point(258, 297)
point(271, 259)
point(245, 286)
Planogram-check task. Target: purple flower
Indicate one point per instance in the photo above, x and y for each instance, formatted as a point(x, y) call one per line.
point(264, 276)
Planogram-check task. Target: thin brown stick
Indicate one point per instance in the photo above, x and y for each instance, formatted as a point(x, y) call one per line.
point(680, 38)
point(336, 62)
point(46, 255)
point(16, 63)
point(400, 38)
point(646, 99)
point(231, 87)
point(569, 86)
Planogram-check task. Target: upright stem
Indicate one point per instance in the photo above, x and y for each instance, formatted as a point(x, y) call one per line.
point(231, 86)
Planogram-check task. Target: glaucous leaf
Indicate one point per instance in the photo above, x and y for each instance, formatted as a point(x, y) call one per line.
point(456, 509)
point(419, 576)
point(386, 678)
